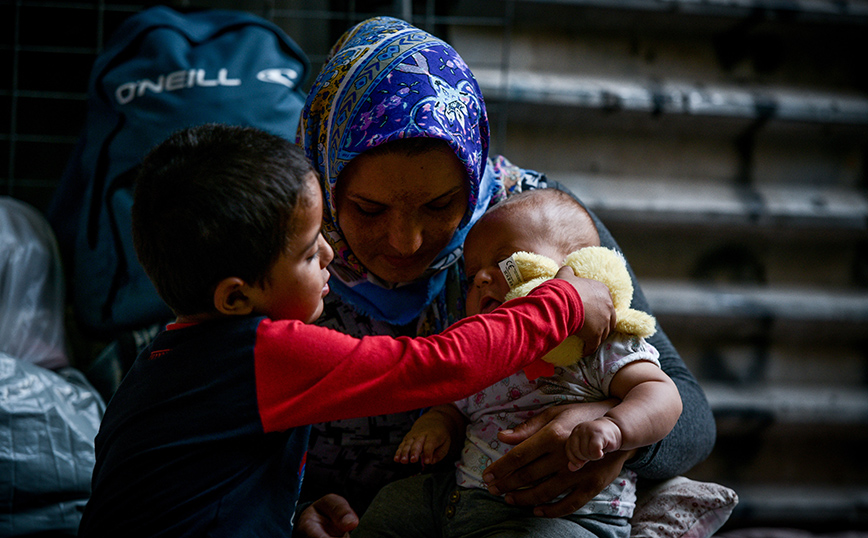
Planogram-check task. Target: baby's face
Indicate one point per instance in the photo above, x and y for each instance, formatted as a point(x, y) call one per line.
point(494, 238)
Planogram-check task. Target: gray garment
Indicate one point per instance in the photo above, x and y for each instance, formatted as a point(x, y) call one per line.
point(432, 506)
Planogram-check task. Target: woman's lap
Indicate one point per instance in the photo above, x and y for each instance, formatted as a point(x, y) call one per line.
point(433, 506)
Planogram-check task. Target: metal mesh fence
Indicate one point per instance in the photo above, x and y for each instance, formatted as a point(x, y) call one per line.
point(47, 50)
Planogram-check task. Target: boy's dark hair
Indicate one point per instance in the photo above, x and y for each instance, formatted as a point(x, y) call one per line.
point(212, 202)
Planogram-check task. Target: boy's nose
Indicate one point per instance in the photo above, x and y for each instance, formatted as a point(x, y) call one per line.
point(328, 253)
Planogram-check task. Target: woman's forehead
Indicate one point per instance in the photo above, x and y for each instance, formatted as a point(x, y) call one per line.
point(397, 175)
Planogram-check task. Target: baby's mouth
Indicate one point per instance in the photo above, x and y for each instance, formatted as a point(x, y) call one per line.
point(487, 304)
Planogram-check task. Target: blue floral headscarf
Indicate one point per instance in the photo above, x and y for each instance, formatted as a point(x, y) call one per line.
point(387, 80)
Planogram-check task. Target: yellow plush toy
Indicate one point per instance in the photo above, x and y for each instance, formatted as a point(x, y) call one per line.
point(524, 271)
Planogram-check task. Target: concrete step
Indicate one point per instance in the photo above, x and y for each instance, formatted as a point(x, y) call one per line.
point(775, 325)
point(816, 507)
point(712, 300)
point(848, 12)
point(749, 101)
point(791, 404)
point(682, 202)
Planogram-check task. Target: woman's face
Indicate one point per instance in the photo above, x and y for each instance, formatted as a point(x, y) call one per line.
point(398, 211)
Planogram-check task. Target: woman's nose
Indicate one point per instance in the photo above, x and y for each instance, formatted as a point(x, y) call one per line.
point(405, 236)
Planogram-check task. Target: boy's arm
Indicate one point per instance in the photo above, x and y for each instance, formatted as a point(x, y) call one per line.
point(432, 435)
point(307, 374)
point(650, 407)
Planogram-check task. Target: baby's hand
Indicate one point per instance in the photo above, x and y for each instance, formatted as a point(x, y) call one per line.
point(428, 440)
point(429, 447)
point(590, 441)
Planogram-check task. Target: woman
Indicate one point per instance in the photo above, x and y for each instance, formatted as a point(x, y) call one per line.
point(397, 214)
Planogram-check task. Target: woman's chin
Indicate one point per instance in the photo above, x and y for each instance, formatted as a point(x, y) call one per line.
point(397, 273)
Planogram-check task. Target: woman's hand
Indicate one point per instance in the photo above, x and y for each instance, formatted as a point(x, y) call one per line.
point(328, 517)
point(539, 462)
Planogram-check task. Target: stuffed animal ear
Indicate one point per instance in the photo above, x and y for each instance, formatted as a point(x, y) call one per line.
point(607, 266)
point(524, 288)
point(535, 269)
point(534, 266)
point(632, 321)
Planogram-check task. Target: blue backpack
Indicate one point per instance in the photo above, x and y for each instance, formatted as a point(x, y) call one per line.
point(160, 72)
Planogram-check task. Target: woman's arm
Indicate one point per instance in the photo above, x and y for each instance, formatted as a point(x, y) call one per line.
point(693, 437)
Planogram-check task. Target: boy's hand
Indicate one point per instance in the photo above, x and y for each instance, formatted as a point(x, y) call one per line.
point(590, 441)
point(599, 309)
point(431, 436)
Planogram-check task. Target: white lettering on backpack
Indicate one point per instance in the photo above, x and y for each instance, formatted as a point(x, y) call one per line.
point(176, 80)
point(286, 77)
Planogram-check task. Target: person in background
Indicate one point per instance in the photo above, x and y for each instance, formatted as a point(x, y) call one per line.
point(396, 127)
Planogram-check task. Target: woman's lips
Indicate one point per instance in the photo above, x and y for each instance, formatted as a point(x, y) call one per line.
point(401, 262)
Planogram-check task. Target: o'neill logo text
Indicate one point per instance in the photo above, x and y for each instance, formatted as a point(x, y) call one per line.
point(173, 81)
point(287, 77)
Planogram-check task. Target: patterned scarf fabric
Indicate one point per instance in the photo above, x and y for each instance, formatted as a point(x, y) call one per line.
point(386, 80)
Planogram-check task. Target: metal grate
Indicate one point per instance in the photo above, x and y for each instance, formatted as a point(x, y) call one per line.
point(47, 50)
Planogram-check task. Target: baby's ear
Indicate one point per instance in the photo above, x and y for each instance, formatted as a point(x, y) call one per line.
point(232, 297)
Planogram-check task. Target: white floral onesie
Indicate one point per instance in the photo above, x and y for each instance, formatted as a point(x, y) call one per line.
point(515, 399)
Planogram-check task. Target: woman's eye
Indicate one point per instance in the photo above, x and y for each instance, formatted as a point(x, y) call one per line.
point(439, 204)
point(369, 211)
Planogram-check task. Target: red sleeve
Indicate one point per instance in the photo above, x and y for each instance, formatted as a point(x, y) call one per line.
point(307, 374)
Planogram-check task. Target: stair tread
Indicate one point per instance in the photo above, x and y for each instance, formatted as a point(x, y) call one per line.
point(799, 303)
point(791, 403)
point(674, 97)
point(671, 200)
point(827, 10)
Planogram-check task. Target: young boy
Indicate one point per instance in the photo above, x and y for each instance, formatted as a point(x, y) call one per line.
point(456, 503)
point(207, 434)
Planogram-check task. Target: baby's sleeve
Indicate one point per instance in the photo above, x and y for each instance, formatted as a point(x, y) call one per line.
point(616, 352)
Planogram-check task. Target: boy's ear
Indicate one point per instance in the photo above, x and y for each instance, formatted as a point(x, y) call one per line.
point(231, 297)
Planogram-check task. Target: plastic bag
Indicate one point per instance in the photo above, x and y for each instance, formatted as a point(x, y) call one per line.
point(48, 422)
point(31, 288)
point(49, 413)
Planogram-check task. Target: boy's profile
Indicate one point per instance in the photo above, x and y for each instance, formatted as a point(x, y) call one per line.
point(208, 432)
point(551, 223)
